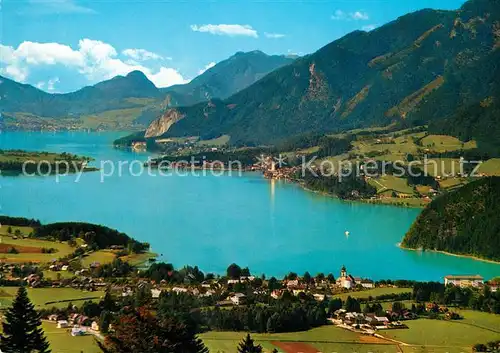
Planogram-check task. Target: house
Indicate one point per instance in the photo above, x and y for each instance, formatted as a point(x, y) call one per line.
point(276, 294)
point(319, 297)
point(95, 326)
point(367, 283)
point(77, 331)
point(354, 319)
point(464, 281)
point(83, 320)
point(494, 285)
point(52, 317)
point(377, 321)
point(208, 293)
point(179, 290)
point(233, 281)
point(292, 283)
point(296, 292)
point(65, 268)
point(62, 324)
point(155, 293)
point(238, 298)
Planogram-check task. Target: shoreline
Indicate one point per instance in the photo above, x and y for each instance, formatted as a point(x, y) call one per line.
point(364, 201)
point(472, 257)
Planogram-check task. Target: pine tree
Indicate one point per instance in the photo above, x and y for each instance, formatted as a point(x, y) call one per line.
point(247, 346)
point(21, 328)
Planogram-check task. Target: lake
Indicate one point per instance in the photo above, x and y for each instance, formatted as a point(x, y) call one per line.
point(272, 227)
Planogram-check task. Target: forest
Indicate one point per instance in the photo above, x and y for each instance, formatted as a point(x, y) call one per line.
point(464, 221)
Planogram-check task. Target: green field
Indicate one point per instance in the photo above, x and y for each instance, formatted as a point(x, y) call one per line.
point(63, 249)
point(101, 256)
point(61, 340)
point(490, 167)
point(41, 296)
point(216, 142)
point(444, 143)
point(391, 183)
point(373, 292)
point(443, 334)
point(326, 338)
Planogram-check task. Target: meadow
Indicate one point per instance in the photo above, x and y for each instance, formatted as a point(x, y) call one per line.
point(44, 298)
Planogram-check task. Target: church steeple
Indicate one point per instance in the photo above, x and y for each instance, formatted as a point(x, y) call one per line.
point(343, 272)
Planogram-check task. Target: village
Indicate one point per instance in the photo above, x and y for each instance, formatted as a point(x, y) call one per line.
point(225, 292)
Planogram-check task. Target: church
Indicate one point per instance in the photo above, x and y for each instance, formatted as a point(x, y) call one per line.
point(345, 280)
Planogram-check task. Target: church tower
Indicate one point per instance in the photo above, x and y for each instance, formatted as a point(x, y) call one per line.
point(343, 272)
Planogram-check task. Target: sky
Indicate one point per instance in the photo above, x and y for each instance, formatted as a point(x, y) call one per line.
point(63, 45)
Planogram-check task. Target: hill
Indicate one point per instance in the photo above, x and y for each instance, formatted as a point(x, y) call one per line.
point(424, 66)
point(131, 100)
point(464, 221)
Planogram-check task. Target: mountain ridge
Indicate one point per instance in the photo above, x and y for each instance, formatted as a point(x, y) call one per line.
point(363, 79)
point(134, 90)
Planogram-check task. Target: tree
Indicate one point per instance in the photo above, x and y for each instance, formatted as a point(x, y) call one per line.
point(9, 230)
point(105, 321)
point(334, 305)
point(107, 303)
point(273, 284)
point(140, 331)
point(330, 278)
point(233, 271)
point(307, 277)
point(247, 346)
point(21, 328)
point(352, 305)
point(398, 307)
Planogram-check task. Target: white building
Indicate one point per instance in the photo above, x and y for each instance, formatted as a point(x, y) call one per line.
point(464, 281)
point(238, 298)
point(62, 324)
point(345, 280)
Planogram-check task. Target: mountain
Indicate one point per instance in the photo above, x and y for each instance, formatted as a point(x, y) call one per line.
point(463, 222)
point(422, 67)
point(106, 95)
point(230, 76)
point(220, 81)
point(134, 93)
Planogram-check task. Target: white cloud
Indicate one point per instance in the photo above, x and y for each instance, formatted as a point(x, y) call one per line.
point(166, 77)
point(94, 59)
point(51, 83)
point(227, 30)
point(340, 15)
point(369, 28)
point(40, 85)
point(274, 35)
point(47, 7)
point(208, 66)
point(142, 55)
point(358, 15)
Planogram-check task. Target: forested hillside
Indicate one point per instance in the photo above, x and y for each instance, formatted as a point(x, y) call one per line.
point(464, 221)
point(422, 67)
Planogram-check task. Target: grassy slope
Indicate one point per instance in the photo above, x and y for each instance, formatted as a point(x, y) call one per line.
point(63, 249)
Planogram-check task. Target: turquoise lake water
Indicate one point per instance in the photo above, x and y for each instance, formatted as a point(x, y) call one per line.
point(272, 227)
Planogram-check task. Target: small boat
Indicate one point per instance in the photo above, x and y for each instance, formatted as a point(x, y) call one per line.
point(347, 233)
